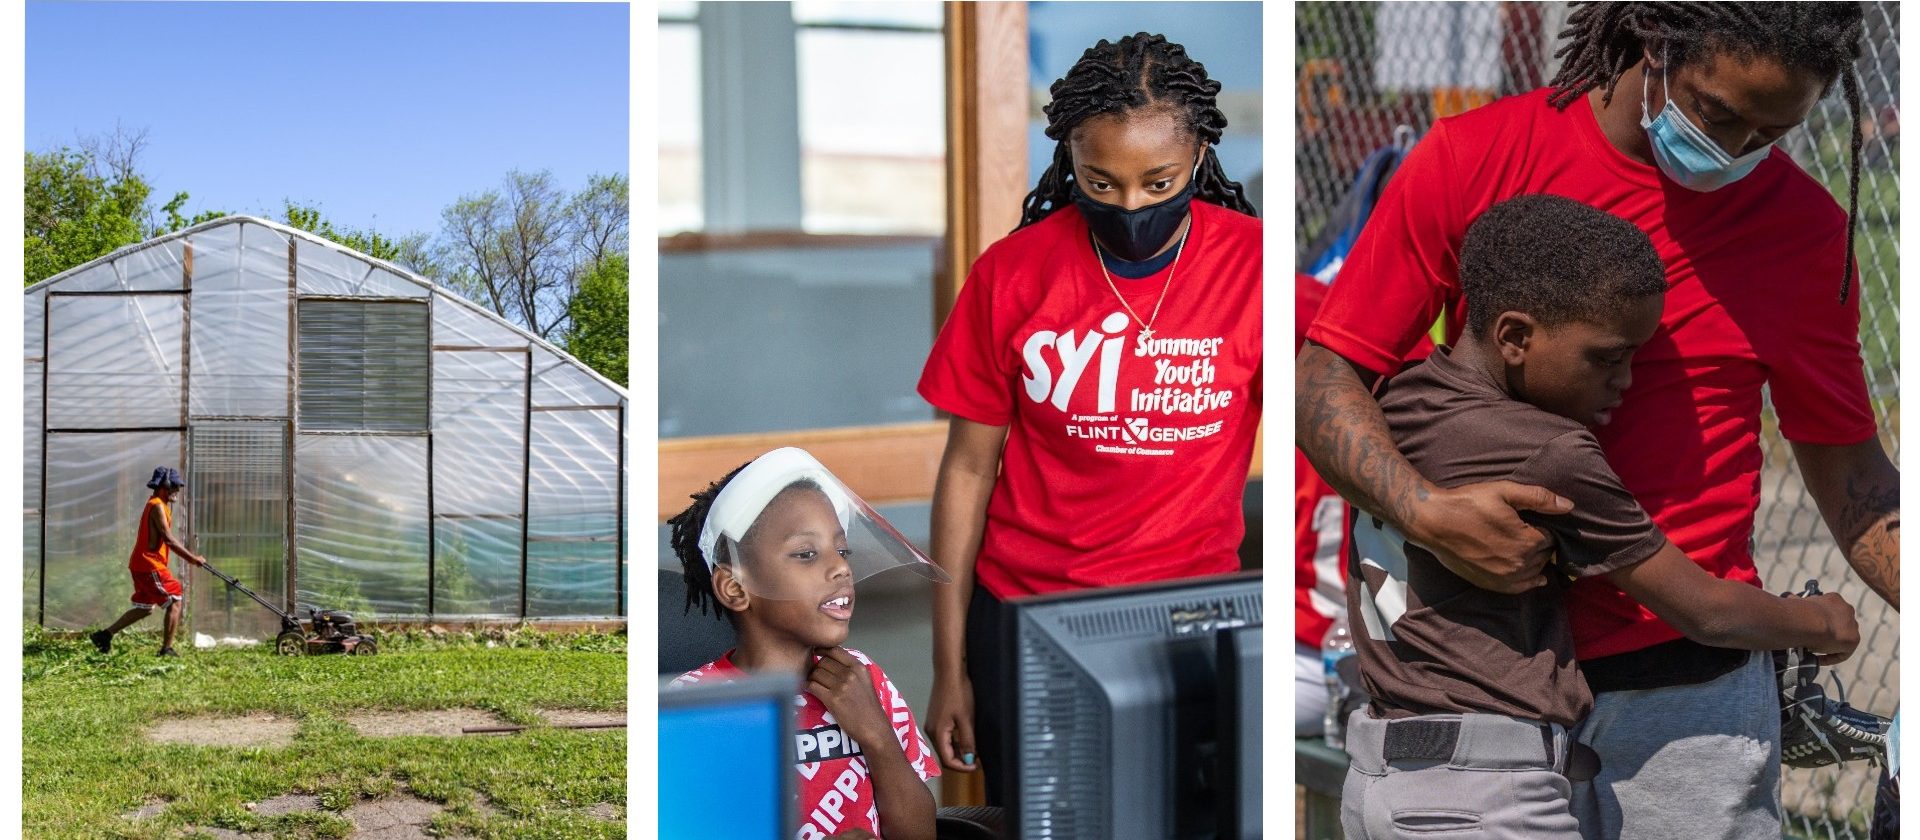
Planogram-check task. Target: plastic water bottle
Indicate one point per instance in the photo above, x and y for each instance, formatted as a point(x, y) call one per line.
point(1335, 646)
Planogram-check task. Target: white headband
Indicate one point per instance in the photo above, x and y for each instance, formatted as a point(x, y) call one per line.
point(739, 503)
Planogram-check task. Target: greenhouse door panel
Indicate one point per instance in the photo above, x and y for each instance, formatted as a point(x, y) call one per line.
point(238, 497)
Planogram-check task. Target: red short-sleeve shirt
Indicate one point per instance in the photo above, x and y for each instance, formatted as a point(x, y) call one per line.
point(1754, 302)
point(1124, 463)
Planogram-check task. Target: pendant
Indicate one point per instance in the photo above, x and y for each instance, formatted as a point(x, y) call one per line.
point(1146, 333)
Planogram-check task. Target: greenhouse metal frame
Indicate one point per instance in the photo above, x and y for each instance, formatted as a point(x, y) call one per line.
point(353, 437)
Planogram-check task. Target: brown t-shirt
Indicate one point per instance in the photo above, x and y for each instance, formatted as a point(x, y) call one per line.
point(1431, 643)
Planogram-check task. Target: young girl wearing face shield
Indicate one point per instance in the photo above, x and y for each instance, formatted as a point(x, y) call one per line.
point(1101, 367)
point(776, 548)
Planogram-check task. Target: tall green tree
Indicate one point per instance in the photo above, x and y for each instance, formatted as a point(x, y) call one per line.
point(524, 248)
point(85, 200)
point(598, 334)
point(75, 212)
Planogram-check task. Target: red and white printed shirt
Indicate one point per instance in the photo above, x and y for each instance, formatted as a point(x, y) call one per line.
point(1125, 461)
point(836, 792)
point(1754, 301)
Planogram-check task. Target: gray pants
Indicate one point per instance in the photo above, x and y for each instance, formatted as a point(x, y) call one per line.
point(1501, 783)
point(1695, 761)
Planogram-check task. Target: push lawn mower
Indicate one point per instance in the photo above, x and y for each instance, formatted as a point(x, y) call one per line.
point(333, 631)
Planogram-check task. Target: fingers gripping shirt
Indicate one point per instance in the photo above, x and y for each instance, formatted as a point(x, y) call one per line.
point(836, 785)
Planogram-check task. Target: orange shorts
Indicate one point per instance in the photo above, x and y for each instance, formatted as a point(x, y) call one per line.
point(153, 589)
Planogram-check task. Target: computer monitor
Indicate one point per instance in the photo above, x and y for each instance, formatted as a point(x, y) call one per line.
point(726, 761)
point(1121, 727)
point(1241, 668)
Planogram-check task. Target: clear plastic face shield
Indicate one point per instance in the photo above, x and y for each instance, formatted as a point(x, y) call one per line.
point(788, 530)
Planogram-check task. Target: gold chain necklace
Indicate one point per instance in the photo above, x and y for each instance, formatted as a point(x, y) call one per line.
point(1146, 328)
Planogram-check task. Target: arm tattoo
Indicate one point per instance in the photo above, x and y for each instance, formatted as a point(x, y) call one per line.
point(1340, 428)
point(1868, 527)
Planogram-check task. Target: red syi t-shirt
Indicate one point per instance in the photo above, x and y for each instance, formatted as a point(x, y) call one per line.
point(836, 789)
point(1123, 463)
point(1754, 301)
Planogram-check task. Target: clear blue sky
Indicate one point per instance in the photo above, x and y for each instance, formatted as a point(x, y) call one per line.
point(379, 113)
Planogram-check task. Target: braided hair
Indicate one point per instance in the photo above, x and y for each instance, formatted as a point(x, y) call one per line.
point(1604, 40)
point(686, 545)
point(1137, 72)
point(687, 525)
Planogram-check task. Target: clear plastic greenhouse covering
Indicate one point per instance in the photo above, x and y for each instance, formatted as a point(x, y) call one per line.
point(353, 437)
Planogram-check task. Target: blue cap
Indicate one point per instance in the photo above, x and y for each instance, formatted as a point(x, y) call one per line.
point(165, 477)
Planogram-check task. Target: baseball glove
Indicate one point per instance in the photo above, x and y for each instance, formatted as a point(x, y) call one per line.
point(1817, 730)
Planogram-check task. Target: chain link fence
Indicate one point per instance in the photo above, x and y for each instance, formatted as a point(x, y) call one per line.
point(1367, 72)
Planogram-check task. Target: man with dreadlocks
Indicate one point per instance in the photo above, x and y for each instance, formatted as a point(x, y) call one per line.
point(1664, 114)
point(1102, 370)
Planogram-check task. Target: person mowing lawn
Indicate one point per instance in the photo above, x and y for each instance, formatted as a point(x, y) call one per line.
point(154, 585)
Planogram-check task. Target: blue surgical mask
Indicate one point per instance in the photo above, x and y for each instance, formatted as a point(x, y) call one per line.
point(1686, 153)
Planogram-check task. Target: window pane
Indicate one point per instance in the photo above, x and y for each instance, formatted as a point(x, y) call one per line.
point(96, 492)
point(476, 566)
point(872, 145)
point(360, 524)
point(363, 366)
point(239, 322)
point(573, 548)
point(924, 15)
point(115, 361)
point(678, 10)
point(680, 206)
point(762, 322)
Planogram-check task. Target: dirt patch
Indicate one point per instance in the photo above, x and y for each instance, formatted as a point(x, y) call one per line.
point(393, 818)
point(286, 804)
point(255, 730)
point(225, 834)
point(151, 809)
point(575, 717)
point(605, 811)
point(442, 722)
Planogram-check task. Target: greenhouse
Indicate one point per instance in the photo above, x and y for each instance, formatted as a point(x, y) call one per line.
point(353, 437)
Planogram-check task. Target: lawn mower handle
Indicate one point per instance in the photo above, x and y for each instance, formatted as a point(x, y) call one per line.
point(235, 583)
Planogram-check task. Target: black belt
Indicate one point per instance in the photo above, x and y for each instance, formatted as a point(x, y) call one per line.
point(1435, 740)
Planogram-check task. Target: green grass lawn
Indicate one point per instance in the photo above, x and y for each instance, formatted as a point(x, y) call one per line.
point(87, 761)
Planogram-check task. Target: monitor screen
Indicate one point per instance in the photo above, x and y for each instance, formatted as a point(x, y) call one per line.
point(1241, 734)
point(726, 763)
point(1124, 726)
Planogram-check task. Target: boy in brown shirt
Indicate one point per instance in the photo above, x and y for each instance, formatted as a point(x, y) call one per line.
point(1469, 686)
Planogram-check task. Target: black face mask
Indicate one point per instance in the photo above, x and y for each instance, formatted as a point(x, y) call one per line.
point(1135, 235)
